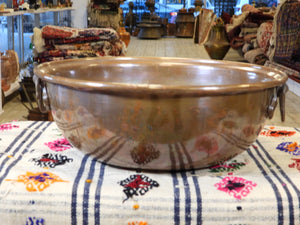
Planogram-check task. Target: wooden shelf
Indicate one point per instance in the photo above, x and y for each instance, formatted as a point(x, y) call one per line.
point(18, 16)
point(10, 26)
point(38, 11)
point(14, 87)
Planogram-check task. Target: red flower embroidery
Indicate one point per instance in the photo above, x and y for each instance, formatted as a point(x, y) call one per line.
point(295, 164)
point(237, 187)
point(59, 145)
point(277, 133)
point(7, 126)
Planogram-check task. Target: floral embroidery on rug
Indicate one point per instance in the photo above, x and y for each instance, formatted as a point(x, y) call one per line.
point(137, 223)
point(51, 160)
point(35, 221)
point(7, 126)
point(137, 185)
point(37, 181)
point(237, 187)
point(290, 147)
point(227, 167)
point(57, 132)
point(295, 164)
point(59, 145)
point(277, 133)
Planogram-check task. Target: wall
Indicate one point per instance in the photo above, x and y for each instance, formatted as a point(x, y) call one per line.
point(79, 15)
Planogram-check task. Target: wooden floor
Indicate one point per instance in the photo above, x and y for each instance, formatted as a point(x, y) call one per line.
point(167, 47)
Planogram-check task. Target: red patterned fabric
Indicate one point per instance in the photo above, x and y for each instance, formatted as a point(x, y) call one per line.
point(55, 32)
point(59, 43)
point(264, 34)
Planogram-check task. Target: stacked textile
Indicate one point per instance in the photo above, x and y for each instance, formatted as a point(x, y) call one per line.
point(258, 55)
point(57, 43)
point(243, 30)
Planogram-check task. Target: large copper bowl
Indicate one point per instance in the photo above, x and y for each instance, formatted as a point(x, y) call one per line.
point(159, 113)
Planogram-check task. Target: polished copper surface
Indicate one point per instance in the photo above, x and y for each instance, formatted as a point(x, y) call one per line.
point(159, 113)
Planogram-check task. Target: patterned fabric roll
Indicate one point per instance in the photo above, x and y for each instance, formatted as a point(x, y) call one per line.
point(264, 34)
point(57, 43)
point(256, 56)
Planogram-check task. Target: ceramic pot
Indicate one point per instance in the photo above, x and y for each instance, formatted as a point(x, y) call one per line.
point(217, 44)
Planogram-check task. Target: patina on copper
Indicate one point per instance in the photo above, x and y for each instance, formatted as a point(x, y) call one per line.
point(159, 113)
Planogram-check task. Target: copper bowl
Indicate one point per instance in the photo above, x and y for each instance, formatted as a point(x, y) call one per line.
point(159, 113)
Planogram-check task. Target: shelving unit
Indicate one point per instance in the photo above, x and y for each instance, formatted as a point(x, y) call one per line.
point(18, 15)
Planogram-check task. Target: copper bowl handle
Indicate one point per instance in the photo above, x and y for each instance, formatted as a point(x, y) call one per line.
point(279, 93)
point(41, 94)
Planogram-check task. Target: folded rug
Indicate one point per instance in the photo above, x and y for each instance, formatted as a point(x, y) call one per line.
point(93, 49)
point(264, 34)
point(58, 43)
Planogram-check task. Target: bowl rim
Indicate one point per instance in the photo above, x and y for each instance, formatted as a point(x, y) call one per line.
point(278, 77)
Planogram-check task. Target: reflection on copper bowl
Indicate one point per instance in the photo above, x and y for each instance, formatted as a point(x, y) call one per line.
point(159, 113)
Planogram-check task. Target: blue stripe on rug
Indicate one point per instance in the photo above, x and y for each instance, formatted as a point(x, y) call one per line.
point(199, 199)
point(14, 162)
point(176, 189)
point(98, 195)
point(86, 194)
point(290, 198)
point(176, 199)
point(75, 190)
point(273, 185)
point(16, 140)
point(187, 198)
